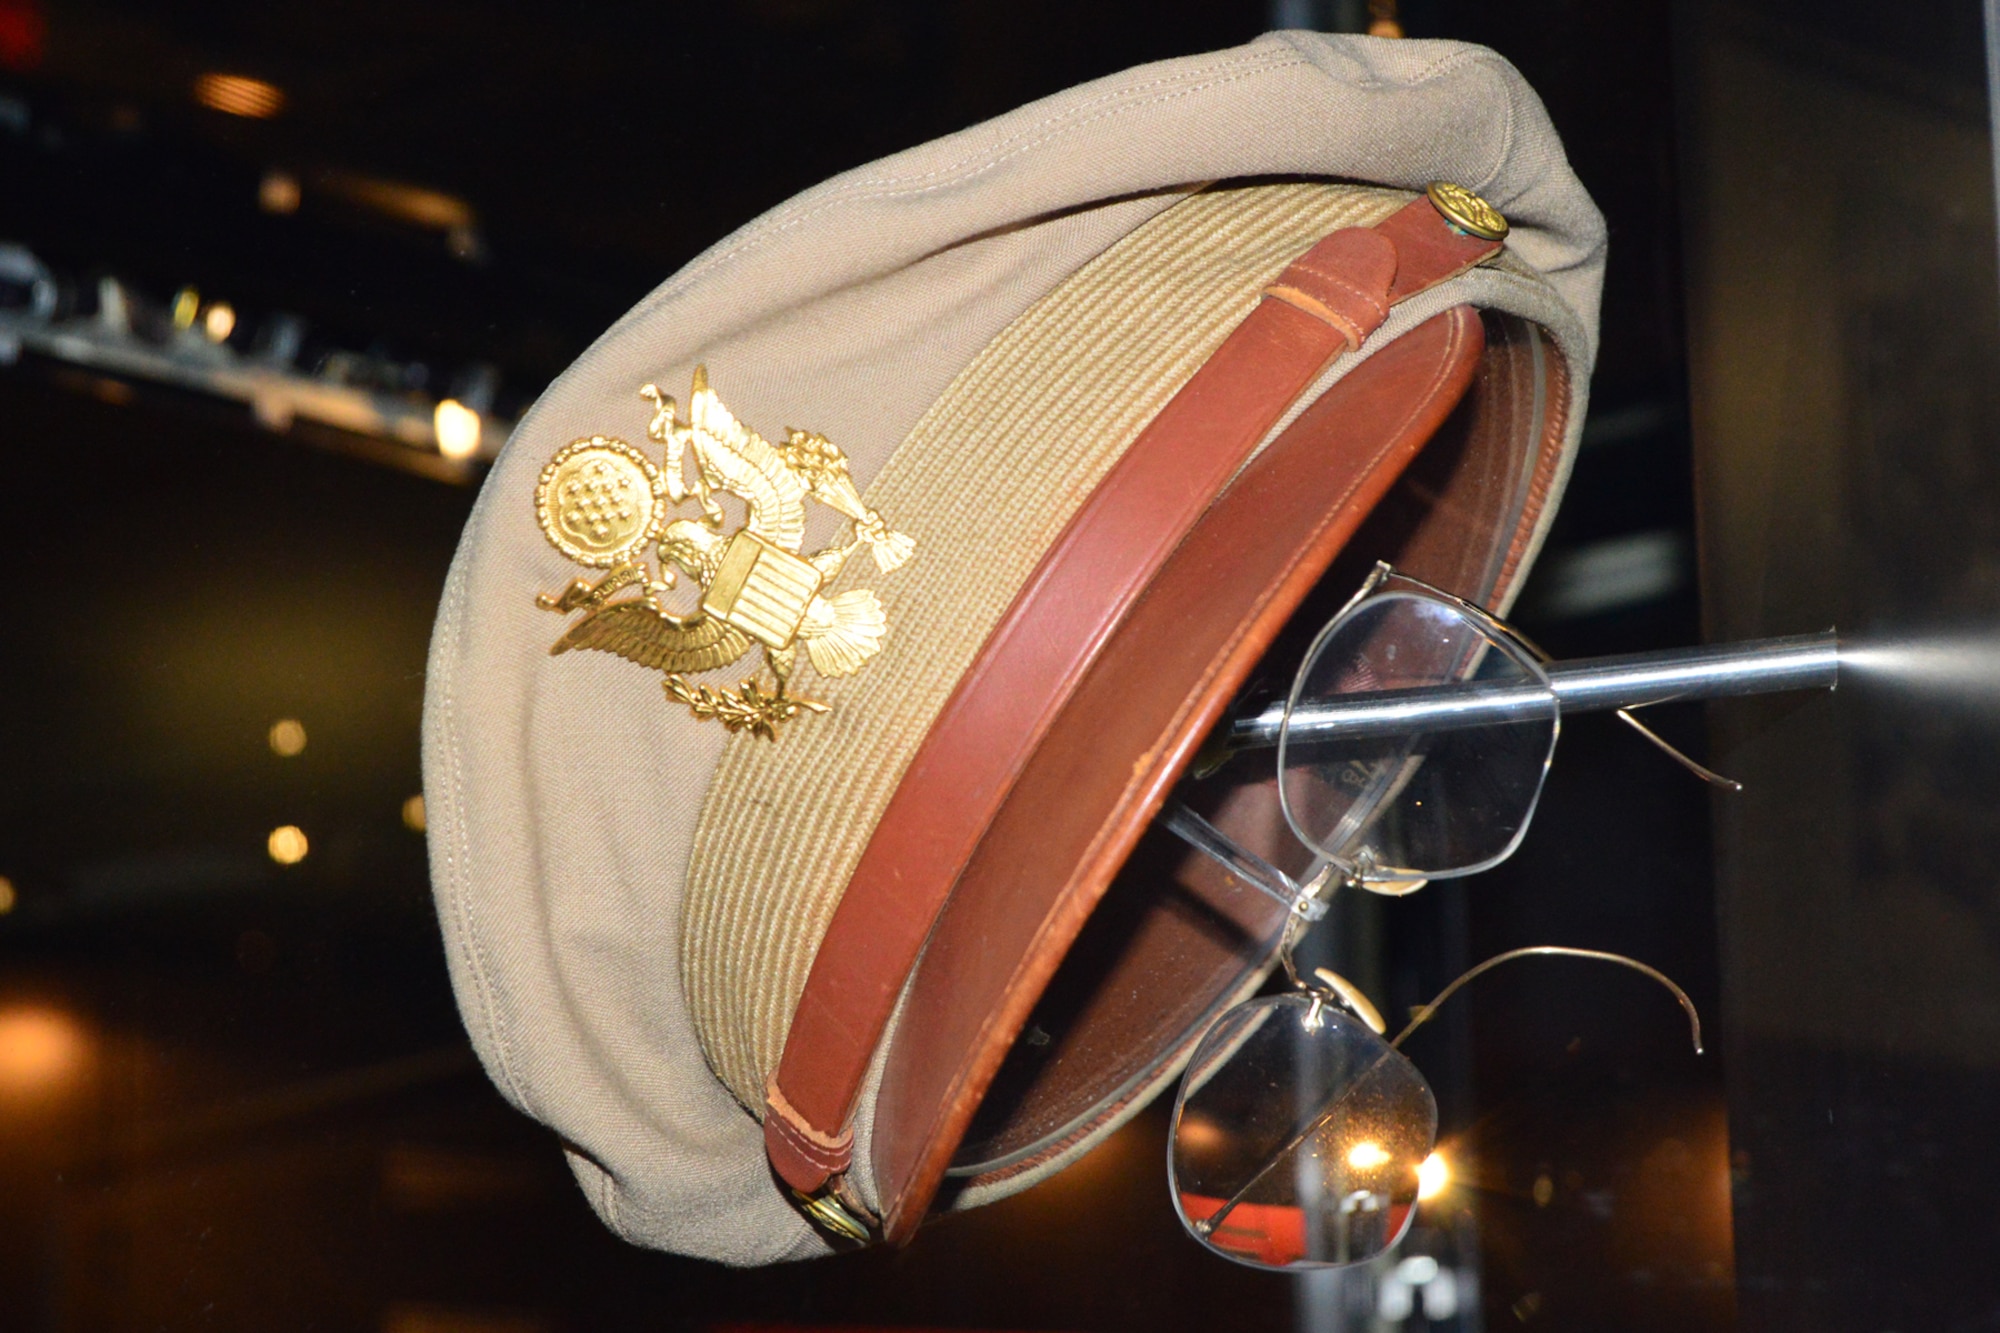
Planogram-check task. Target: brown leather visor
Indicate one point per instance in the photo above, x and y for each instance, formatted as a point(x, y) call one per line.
point(1052, 959)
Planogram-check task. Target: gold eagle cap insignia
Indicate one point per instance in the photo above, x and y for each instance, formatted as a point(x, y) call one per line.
point(614, 508)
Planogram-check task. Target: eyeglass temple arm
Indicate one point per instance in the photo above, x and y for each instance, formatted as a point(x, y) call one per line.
point(1587, 685)
point(1666, 747)
point(1423, 1015)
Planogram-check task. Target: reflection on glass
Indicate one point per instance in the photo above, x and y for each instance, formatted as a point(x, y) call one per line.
point(1367, 1155)
point(1314, 1129)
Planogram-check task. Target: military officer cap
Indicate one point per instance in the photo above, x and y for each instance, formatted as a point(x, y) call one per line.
point(824, 638)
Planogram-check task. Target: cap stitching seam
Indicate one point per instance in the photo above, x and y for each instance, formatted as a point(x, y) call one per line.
point(460, 851)
point(1506, 151)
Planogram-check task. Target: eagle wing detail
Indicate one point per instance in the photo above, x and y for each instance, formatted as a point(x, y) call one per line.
point(639, 632)
point(744, 462)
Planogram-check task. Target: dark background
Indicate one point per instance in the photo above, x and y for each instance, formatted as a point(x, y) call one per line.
point(262, 1113)
point(1842, 299)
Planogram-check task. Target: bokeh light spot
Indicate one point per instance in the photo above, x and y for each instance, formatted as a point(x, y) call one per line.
point(457, 429)
point(239, 95)
point(40, 1049)
point(287, 845)
point(1433, 1176)
point(278, 192)
point(288, 737)
point(413, 813)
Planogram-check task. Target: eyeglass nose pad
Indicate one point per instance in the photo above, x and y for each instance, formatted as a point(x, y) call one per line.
point(1390, 888)
point(1351, 996)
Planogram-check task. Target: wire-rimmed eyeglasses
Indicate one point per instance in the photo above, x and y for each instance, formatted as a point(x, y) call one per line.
point(1412, 746)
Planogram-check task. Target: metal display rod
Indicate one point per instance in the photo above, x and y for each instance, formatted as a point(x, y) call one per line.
point(1586, 685)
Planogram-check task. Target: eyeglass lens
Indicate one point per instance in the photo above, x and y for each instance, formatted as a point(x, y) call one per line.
point(1437, 798)
point(1297, 1137)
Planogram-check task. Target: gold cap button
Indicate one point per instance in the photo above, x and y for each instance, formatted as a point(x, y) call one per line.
point(1467, 211)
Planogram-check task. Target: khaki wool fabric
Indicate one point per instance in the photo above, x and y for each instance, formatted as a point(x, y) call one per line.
point(625, 913)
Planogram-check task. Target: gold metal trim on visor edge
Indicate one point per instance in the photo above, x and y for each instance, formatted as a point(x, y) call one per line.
point(1467, 211)
point(835, 1218)
point(602, 503)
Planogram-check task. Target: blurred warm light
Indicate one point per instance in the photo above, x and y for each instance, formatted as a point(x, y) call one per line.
point(457, 429)
point(1367, 1155)
point(239, 95)
point(1199, 1133)
point(7, 895)
point(413, 813)
point(187, 304)
point(219, 321)
point(278, 192)
point(40, 1049)
point(1433, 1176)
point(288, 737)
point(287, 845)
point(465, 243)
point(415, 204)
point(424, 1318)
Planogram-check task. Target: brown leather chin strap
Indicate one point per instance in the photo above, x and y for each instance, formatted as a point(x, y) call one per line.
point(1043, 768)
